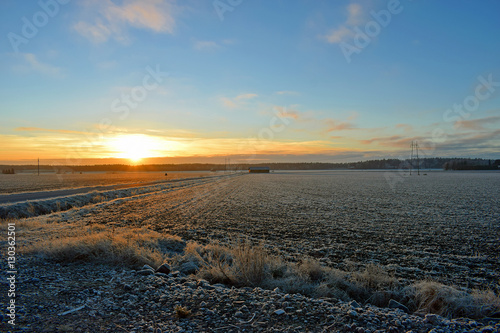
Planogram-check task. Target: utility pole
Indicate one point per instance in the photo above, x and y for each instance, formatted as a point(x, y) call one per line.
point(39, 166)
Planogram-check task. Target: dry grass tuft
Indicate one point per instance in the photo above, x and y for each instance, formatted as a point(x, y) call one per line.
point(130, 247)
point(215, 261)
point(375, 278)
point(182, 312)
point(239, 265)
point(312, 269)
point(447, 301)
point(250, 265)
point(23, 224)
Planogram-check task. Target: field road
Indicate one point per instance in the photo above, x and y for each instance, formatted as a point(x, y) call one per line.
point(43, 195)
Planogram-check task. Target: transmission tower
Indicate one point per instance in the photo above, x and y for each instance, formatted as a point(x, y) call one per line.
point(414, 152)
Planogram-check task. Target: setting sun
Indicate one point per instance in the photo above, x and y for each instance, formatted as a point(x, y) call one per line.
point(138, 146)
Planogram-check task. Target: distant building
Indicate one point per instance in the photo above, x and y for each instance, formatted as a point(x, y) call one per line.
point(258, 169)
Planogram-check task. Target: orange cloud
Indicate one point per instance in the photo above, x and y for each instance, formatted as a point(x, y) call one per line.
point(109, 20)
point(355, 16)
point(288, 113)
point(335, 125)
point(237, 101)
point(405, 127)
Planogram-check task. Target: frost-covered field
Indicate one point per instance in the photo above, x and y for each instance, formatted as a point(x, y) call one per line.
point(28, 182)
point(443, 226)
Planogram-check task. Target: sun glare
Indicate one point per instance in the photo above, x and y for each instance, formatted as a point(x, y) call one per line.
point(135, 147)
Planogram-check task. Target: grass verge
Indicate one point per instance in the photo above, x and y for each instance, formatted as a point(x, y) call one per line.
point(244, 265)
point(129, 247)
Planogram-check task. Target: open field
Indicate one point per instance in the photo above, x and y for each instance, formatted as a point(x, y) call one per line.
point(29, 182)
point(442, 227)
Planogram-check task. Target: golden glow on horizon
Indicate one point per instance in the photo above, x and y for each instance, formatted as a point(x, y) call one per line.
point(138, 147)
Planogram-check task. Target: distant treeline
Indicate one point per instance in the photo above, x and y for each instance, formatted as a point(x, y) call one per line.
point(471, 164)
point(429, 163)
point(424, 163)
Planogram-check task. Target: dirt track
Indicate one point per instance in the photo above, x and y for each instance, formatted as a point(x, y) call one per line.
point(43, 195)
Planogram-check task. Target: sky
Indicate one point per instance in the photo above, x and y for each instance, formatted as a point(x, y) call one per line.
point(250, 80)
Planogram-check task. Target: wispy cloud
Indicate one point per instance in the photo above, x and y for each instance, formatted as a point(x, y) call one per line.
point(335, 125)
point(404, 127)
point(355, 16)
point(205, 45)
point(287, 112)
point(96, 32)
point(386, 140)
point(473, 143)
point(476, 124)
point(339, 34)
point(238, 100)
point(457, 143)
point(46, 145)
point(38, 129)
point(32, 64)
point(314, 125)
point(287, 92)
point(229, 103)
point(211, 45)
point(245, 96)
point(110, 20)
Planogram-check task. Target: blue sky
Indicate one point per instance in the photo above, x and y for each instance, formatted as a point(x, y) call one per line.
point(253, 80)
